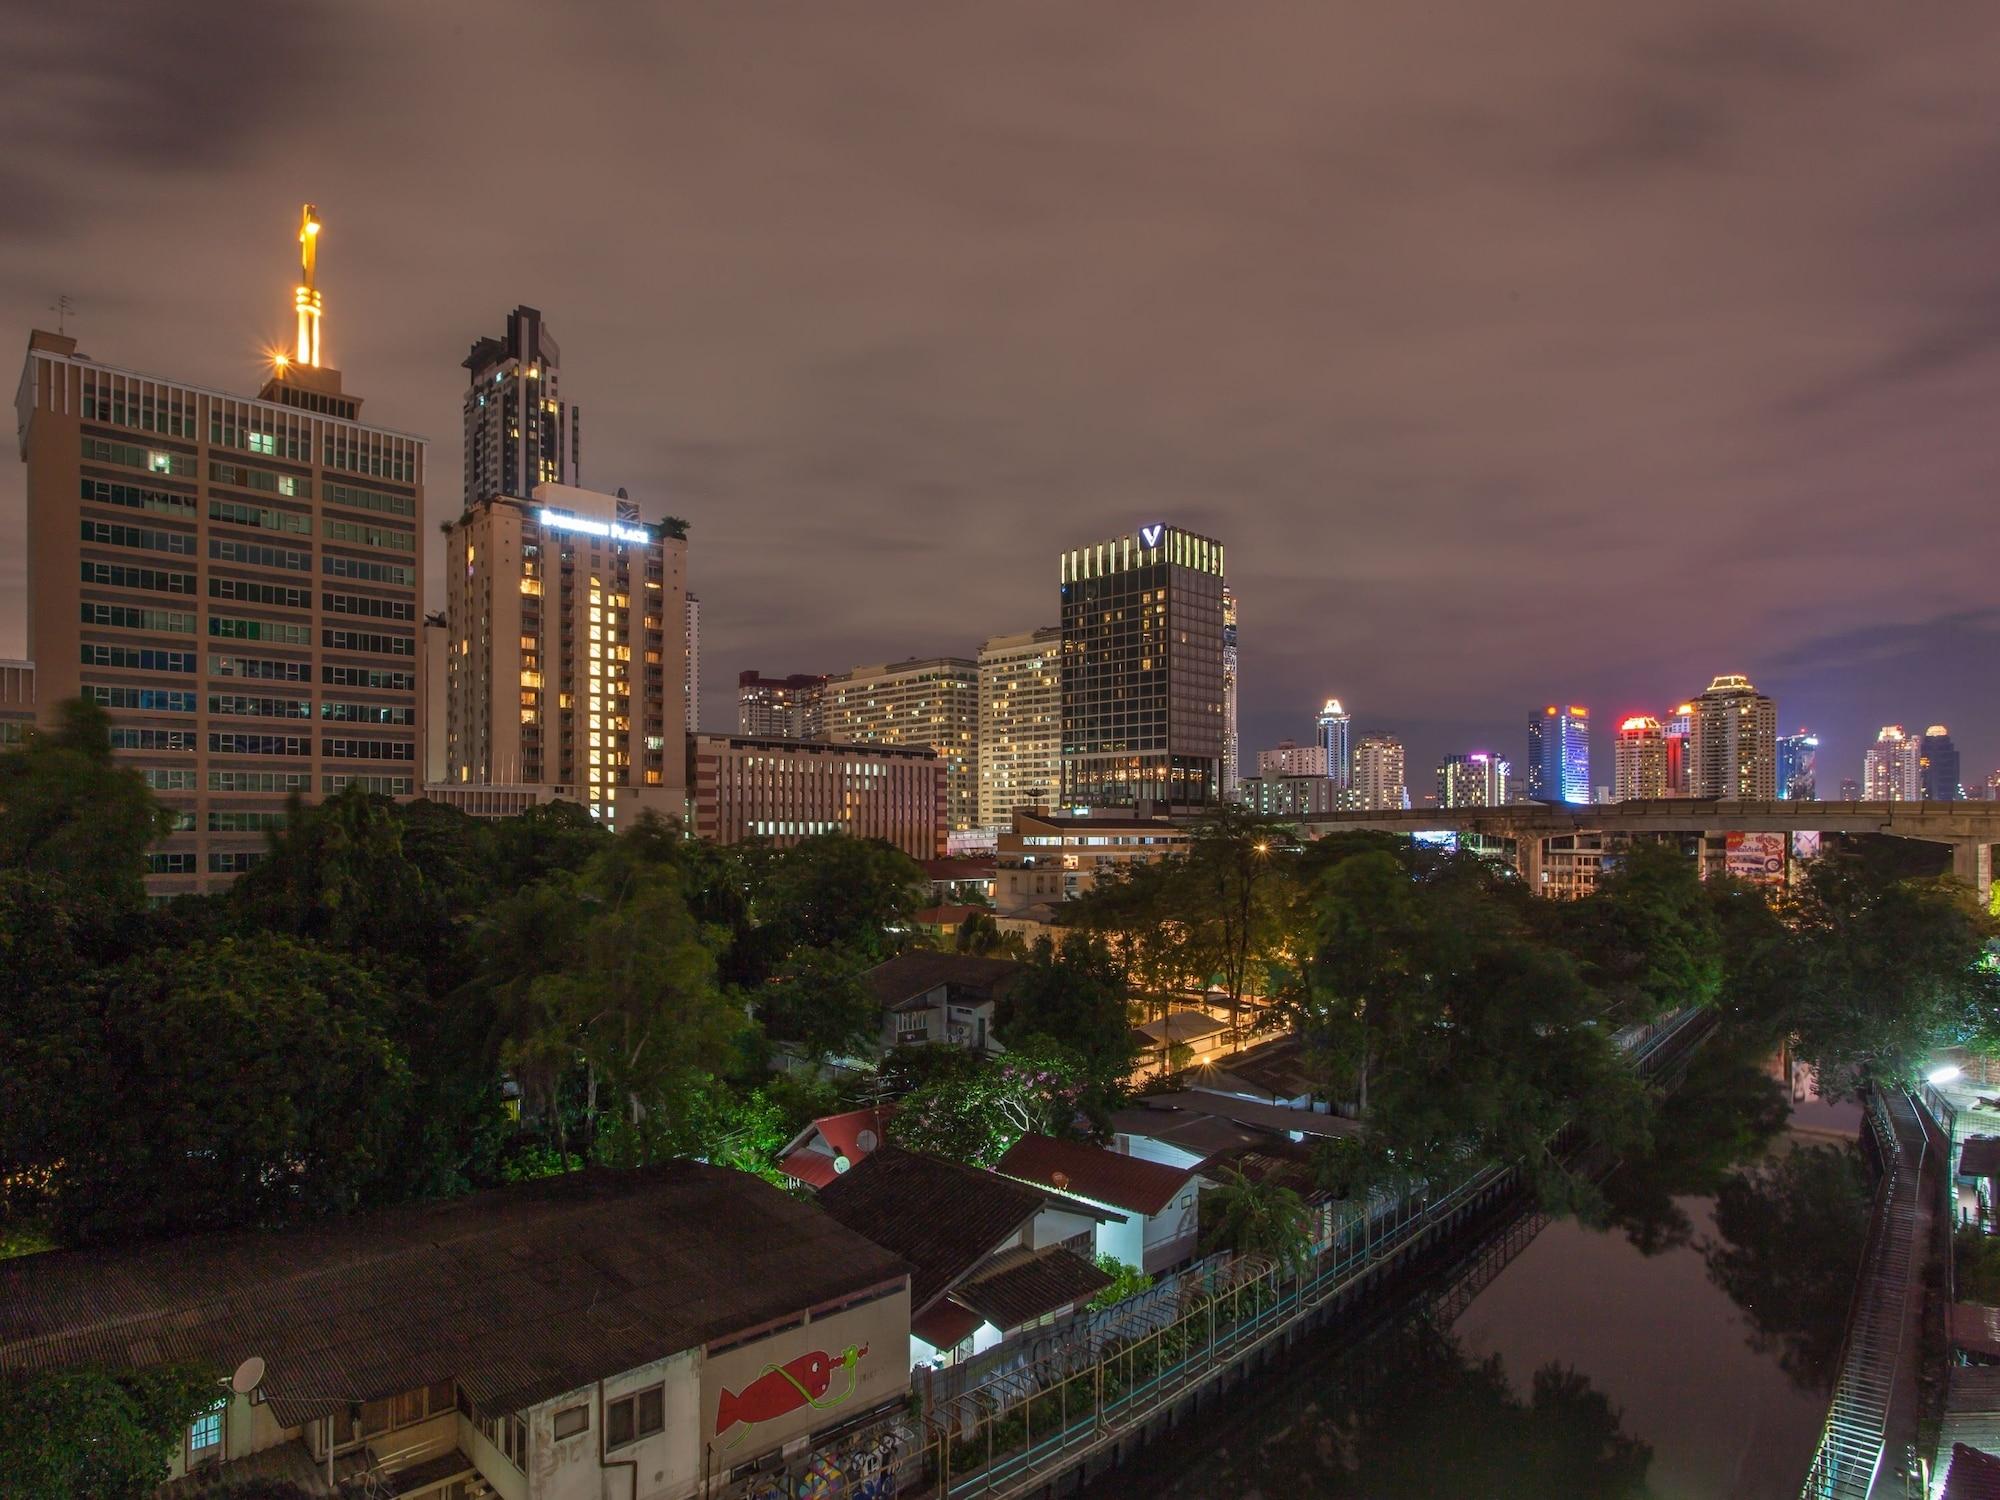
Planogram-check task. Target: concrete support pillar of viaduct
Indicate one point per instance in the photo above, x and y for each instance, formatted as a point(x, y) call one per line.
point(1528, 859)
point(1972, 862)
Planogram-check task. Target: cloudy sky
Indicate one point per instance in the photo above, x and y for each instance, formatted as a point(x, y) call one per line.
point(1519, 353)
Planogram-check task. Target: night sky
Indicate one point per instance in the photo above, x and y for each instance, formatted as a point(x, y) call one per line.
point(1518, 353)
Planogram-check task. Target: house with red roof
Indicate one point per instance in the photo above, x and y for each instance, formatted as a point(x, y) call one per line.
point(1161, 1202)
point(834, 1144)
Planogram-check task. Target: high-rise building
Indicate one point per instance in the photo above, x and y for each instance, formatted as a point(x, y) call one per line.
point(1640, 759)
point(1290, 759)
point(1939, 765)
point(691, 673)
point(1334, 725)
point(1231, 756)
point(1478, 779)
point(1733, 746)
point(781, 708)
point(236, 580)
point(1378, 773)
point(1798, 767)
point(519, 432)
point(1892, 770)
point(1142, 669)
point(1559, 754)
point(1850, 789)
point(434, 650)
point(1275, 796)
point(930, 701)
point(1020, 723)
point(1679, 734)
point(561, 611)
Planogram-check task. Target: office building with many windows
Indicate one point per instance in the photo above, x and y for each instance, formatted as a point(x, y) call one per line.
point(1892, 769)
point(565, 616)
point(1559, 754)
point(1020, 723)
point(1378, 774)
point(1288, 758)
point(1938, 766)
point(1639, 759)
point(1733, 746)
point(235, 580)
point(931, 703)
point(1335, 726)
point(1798, 767)
point(1142, 680)
point(781, 708)
point(519, 432)
point(1232, 759)
point(783, 790)
point(1477, 779)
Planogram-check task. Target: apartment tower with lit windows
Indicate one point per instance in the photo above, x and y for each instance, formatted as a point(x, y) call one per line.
point(929, 701)
point(519, 432)
point(1143, 715)
point(1020, 723)
point(234, 579)
point(566, 616)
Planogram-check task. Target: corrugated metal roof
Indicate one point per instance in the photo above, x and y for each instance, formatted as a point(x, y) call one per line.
point(1128, 1182)
point(1028, 1284)
point(1973, 1475)
point(1247, 1112)
point(909, 975)
point(518, 1294)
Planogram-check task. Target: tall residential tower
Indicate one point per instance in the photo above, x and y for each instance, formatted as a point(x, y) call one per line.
point(1142, 678)
point(1733, 743)
point(1335, 727)
point(1020, 723)
point(519, 432)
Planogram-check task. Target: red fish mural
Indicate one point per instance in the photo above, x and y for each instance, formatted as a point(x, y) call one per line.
point(785, 1388)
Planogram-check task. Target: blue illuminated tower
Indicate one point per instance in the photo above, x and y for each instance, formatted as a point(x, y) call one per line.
point(1559, 754)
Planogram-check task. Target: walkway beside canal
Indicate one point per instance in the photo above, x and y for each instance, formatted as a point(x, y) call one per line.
point(1871, 1426)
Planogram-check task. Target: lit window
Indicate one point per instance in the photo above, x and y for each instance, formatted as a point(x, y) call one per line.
point(205, 1435)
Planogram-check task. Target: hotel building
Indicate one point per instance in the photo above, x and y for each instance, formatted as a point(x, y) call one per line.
point(1640, 759)
point(1378, 774)
point(931, 702)
point(1733, 743)
point(1020, 723)
point(560, 671)
point(236, 580)
point(1142, 679)
point(519, 432)
point(780, 790)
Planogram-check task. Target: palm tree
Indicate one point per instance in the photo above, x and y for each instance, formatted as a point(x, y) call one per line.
point(1255, 1218)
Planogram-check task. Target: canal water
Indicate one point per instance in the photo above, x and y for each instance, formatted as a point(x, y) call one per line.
point(1678, 1347)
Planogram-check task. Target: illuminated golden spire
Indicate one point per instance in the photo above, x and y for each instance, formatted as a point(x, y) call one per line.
point(306, 298)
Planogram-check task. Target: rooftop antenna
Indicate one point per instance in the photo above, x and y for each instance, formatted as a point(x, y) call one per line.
point(62, 307)
point(306, 298)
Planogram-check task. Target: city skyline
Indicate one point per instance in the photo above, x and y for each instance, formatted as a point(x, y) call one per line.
point(713, 395)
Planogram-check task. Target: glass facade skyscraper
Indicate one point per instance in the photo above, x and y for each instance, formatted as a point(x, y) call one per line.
point(1142, 669)
point(1559, 754)
point(1335, 726)
point(1798, 767)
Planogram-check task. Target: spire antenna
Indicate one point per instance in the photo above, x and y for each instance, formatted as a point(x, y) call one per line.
point(306, 298)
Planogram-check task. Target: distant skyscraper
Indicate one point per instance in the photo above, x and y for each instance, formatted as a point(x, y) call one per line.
point(1475, 780)
point(1892, 770)
point(1378, 773)
point(1939, 765)
point(781, 708)
point(1850, 789)
point(931, 701)
point(1559, 754)
point(1289, 759)
point(1335, 725)
point(1142, 669)
point(1798, 767)
point(1640, 759)
point(1734, 743)
point(1020, 723)
point(1679, 734)
point(1232, 767)
point(519, 432)
point(692, 657)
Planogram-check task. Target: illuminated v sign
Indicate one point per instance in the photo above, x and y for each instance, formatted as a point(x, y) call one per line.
point(1149, 536)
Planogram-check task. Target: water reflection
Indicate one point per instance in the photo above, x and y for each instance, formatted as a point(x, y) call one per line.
point(1680, 1346)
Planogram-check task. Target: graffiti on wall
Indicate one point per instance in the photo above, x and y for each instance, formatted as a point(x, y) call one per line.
point(861, 1468)
point(782, 1389)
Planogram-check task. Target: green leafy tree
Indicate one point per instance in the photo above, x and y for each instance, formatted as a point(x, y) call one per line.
point(1075, 995)
point(90, 1432)
point(979, 1116)
point(1647, 939)
point(980, 936)
point(836, 891)
point(72, 814)
point(1256, 1218)
point(1127, 1281)
point(1788, 1237)
point(821, 1002)
point(249, 1081)
point(1235, 872)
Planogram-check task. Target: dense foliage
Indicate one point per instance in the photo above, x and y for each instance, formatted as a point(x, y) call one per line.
point(88, 1432)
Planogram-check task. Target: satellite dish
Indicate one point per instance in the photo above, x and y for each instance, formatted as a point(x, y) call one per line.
point(865, 1141)
point(249, 1375)
point(841, 1163)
